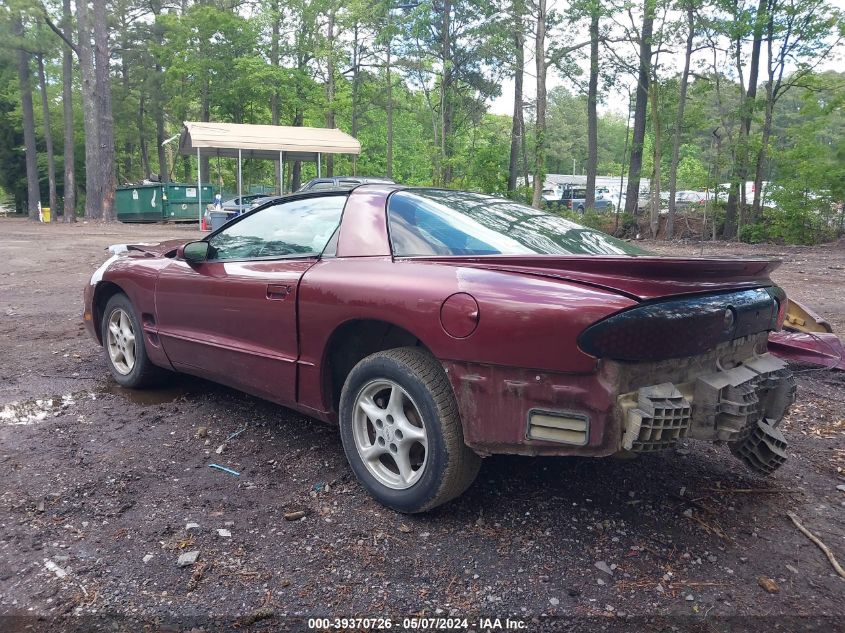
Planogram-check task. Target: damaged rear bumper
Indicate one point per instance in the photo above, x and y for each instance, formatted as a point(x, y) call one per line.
point(737, 393)
point(742, 405)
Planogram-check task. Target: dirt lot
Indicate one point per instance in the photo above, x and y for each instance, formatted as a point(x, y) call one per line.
point(97, 486)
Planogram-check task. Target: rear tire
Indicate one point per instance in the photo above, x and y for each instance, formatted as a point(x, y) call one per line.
point(123, 343)
point(402, 433)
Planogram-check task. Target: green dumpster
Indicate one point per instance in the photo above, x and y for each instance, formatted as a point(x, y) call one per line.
point(161, 202)
point(139, 203)
point(182, 201)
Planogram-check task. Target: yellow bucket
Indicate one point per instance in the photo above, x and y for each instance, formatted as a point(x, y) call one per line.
point(45, 214)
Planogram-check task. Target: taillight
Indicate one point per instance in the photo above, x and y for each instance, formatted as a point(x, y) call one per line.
point(783, 303)
point(677, 328)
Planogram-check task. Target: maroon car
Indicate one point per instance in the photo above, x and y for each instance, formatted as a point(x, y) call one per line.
point(437, 327)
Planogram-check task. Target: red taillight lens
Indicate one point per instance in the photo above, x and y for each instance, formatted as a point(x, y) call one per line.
point(783, 304)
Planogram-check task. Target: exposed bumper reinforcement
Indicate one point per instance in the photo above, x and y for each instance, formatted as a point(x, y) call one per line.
point(742, 405)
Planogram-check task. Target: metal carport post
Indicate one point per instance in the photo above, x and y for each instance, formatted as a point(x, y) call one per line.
point(240, 180)
point(199, 187)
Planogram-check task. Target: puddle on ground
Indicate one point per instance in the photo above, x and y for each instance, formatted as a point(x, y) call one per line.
point(34, 411)
point(38, 410)
point(146, 397)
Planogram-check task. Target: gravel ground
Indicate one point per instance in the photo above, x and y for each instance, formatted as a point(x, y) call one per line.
point(102, 490)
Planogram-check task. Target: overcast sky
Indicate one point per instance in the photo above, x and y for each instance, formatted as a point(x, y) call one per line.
point(614, 98)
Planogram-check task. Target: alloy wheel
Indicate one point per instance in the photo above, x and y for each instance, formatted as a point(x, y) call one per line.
point(121, 341)
point(390, 434)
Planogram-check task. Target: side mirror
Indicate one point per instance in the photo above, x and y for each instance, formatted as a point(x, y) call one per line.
point(193, 252)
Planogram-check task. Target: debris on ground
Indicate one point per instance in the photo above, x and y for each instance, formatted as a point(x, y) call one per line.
point(53, 567)
point(815, 539)
point(768, 584)
point(294, 516)
point(225, 470)
point(824, 350)
point(256, 616)
point(188, 558)
point(603, 566)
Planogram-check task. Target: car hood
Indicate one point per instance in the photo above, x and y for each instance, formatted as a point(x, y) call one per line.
point(637, 277)
point(161, 249)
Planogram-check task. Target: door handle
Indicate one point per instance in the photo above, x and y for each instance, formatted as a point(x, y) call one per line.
point(278, 292)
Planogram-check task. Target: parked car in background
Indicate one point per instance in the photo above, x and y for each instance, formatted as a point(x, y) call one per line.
point(234, 207)
point(723, 189)
point(550, 194)
point(242, 203)
point(575, 199)
point(262, 201)
point(689, 199)
point(436, 327)
point(342, 181)
point(644, 199)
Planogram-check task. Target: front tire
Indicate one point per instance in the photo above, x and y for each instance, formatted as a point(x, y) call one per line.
point(402, 433)
point(123, 343)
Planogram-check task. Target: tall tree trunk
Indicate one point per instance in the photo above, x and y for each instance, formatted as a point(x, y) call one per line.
point(69, 203)
point(276, 28)
point(93, 190)
point(592, 114)
point(540, 123)
point(757, 204)
point(157, 100)
point(142, 136)
point(736, 198)
point(640, 107)
point(679, 122)
point(356, 51)
point(161, 151)
point(296, 172)
point(128, 147)
point(205, 115)
point(654, 206)
point(389, 166)
point(524, 151)
point(773, 86)
point(330, 113)
point(517, 123)
point(446, 95)
point(48, 140)
point(105, 121)
point(28, 114)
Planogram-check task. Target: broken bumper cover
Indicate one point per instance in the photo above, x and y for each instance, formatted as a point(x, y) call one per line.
point(742, 405)
point(736, 393)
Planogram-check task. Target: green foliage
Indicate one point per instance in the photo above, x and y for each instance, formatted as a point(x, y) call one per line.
point(754, 233)
point(198, 60)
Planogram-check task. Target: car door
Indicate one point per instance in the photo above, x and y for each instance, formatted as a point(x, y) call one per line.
point(233, 317)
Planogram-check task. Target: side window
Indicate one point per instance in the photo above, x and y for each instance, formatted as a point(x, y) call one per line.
point(296, 228)
point(419, 228)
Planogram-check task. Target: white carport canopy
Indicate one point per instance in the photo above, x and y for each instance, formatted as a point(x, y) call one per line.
point(264, 141)
point(269, 142)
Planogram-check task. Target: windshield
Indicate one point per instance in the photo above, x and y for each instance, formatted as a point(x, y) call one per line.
point(426, 222)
